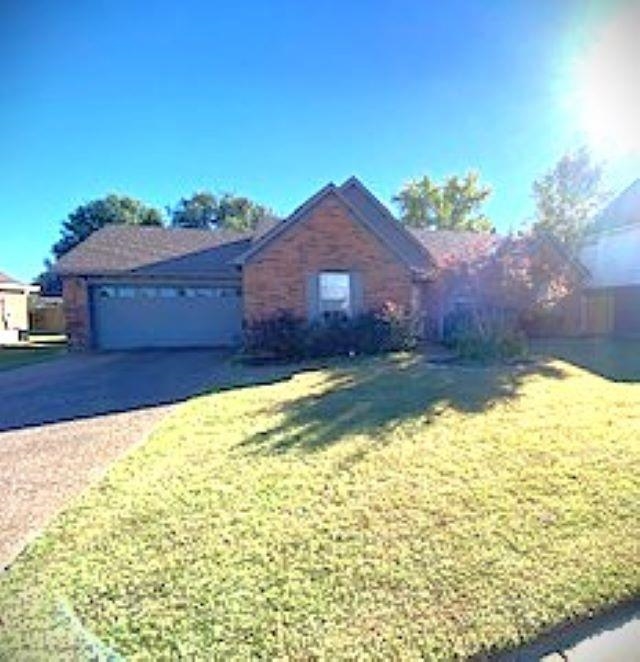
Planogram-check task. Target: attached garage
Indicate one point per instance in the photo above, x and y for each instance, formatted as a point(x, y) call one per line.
point(133, 287)
point(131, 315)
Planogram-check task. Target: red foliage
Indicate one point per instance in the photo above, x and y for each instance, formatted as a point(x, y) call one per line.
point(517, 273)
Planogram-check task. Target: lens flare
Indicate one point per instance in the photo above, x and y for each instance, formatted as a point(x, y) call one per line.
point(607, 84)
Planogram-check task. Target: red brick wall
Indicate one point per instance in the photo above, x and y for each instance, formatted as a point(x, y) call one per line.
point(75, 295)
point(328, 238)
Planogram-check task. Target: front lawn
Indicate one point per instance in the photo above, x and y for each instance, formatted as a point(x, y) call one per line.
point(377, 509)
point(617, 359)
point(14, 357)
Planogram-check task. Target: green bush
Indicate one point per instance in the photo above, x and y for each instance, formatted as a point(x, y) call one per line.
point(484, 335)
point(287, 337)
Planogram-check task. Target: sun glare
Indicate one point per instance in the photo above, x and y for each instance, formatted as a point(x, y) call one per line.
point(607, 85)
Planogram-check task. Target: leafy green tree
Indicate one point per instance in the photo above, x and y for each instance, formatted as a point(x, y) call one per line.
point(199, 211)
point(93, 215)
point(567, 198)
point(204, 210)
point(453, 205)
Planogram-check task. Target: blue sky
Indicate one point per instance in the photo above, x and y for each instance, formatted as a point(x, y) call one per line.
point(274, 99)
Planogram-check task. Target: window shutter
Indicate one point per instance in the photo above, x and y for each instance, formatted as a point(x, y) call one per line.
point(312, 296)
point(357, 299)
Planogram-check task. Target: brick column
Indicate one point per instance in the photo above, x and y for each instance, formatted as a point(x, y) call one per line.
point(77, 314)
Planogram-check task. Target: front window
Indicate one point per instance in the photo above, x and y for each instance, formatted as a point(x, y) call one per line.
point(334, 295)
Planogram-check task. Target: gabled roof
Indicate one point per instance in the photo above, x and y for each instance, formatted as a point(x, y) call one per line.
point(613, 258)
point(367, 210)
point(117, 249)
point(610, 251)
point(9, 283)
point(622, 211)
point(157, 251)
point(4, 278)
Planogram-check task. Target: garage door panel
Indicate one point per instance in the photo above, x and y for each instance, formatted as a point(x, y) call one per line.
point(166, 316)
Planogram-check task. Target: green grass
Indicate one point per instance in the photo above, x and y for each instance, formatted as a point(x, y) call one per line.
point(616, 359)
point(15, 357)
point(377, 509)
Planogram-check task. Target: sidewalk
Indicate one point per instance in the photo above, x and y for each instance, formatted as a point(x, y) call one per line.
point(621, 644)
point(612, 637)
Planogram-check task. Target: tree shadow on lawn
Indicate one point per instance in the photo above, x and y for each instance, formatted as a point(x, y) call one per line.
point(373, 397)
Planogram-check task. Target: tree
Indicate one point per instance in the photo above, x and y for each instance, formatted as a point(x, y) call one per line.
point(453, 205)
point(206, 211)
point(50, 283)
point(93, 215)
point(567, 197)
point(524, 283)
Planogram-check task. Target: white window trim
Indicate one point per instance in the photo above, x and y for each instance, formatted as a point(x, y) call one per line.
point(323, 308)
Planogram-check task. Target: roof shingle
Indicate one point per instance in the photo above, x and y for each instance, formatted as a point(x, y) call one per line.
point(128, 248)
point(5, 278)
point(118, 249)
point(451, 247)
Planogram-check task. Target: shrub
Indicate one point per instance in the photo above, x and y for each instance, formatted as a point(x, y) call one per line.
point(388, 329)
point(331, 336)
point(287, 337)
point(280, 336)
point(484, 334)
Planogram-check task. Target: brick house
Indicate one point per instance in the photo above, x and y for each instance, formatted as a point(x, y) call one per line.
point(342, 249)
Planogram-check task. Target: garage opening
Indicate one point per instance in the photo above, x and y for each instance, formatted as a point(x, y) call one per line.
point(133, 316)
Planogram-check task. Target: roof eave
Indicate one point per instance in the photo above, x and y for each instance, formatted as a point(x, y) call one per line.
point(19, 287)
point(330, 188)
point(138, 273)
point(354, 181)
point(283, 226)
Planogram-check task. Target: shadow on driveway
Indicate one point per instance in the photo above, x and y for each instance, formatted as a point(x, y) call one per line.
point(83, 386)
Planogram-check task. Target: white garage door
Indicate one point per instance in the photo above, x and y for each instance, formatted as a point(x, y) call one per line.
point(136, 316)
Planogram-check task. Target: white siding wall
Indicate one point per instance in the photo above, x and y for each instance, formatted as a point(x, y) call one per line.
point(613, 258)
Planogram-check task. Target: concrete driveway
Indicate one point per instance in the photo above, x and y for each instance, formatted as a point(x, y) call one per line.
point(63, 422)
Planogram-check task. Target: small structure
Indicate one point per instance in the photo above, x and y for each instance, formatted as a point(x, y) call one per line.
point(611, 304)
point(14, 307)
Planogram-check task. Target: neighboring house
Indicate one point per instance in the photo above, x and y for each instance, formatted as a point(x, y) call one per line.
point(612, 256)
point(342, 250)
point(14, 316)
